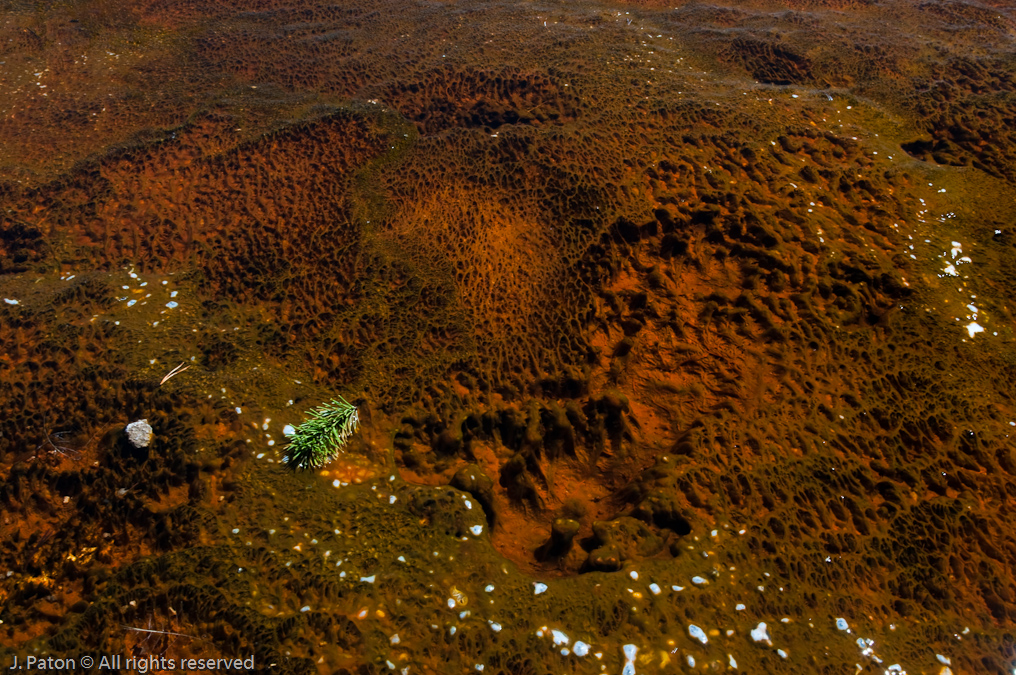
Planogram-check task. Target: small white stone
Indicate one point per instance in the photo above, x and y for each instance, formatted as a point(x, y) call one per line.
point(139, 433)
point(761, 634)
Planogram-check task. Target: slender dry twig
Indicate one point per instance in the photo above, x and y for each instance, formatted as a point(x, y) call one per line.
point(176, 371)
point(57, 449)
point(158, 632)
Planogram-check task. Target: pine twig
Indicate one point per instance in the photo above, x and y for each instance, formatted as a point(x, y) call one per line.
point(320, 439)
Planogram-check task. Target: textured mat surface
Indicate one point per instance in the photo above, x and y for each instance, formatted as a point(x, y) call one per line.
point(680, 335)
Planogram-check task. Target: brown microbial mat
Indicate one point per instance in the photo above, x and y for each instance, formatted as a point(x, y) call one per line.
point(679, 334)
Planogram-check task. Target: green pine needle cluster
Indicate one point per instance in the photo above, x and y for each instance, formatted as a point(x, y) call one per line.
point(320, 439)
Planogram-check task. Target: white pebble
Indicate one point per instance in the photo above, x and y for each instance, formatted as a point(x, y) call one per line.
point(761, 634)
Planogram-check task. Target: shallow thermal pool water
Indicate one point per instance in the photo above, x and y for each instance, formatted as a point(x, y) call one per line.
point(678, 335)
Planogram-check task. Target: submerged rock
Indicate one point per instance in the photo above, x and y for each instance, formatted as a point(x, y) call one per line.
point(139, 433)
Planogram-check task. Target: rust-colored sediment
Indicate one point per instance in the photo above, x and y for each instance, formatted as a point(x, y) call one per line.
point(696, 314)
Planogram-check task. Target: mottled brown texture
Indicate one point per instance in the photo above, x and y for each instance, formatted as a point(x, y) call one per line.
point(604, 281)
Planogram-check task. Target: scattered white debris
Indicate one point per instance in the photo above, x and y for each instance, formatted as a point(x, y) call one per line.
point(761, 634)
point(539, 587)
point(629, 659)
point(697, 633)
